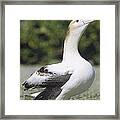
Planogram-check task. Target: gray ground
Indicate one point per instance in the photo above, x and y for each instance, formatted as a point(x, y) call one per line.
point(92, 94)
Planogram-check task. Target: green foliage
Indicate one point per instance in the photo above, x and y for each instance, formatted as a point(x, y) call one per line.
point(41, 41)
point(90, 43)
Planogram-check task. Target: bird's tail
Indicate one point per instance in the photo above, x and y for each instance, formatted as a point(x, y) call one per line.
point(49, 94)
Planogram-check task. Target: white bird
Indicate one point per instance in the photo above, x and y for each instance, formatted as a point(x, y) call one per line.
point(72, 76)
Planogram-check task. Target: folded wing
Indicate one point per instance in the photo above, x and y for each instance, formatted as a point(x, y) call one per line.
point(50, 80)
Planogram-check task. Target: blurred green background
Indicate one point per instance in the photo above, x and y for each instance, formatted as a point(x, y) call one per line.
point(42, 41)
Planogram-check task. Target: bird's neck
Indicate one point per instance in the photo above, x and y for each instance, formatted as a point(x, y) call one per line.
point(71, 45)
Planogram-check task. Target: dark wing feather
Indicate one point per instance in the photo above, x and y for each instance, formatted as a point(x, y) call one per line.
point(49, 93)
point(53, 87)
point(52, 84)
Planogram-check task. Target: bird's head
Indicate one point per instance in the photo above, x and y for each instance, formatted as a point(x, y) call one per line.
point(79, 24)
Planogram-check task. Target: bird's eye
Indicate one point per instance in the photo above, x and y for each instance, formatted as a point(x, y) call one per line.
point(77, 20)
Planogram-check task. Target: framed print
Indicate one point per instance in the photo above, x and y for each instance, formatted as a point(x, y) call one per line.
point(59, 59)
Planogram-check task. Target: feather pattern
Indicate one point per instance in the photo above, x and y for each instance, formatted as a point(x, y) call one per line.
point(44, 77)
point(53, 87)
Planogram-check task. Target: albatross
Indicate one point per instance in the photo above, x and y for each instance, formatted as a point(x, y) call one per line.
point(72, 76)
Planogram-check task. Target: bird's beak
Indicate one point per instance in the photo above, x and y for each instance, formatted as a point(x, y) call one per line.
point(88, 21)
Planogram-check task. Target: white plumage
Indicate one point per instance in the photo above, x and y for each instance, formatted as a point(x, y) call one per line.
point(72, 76)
